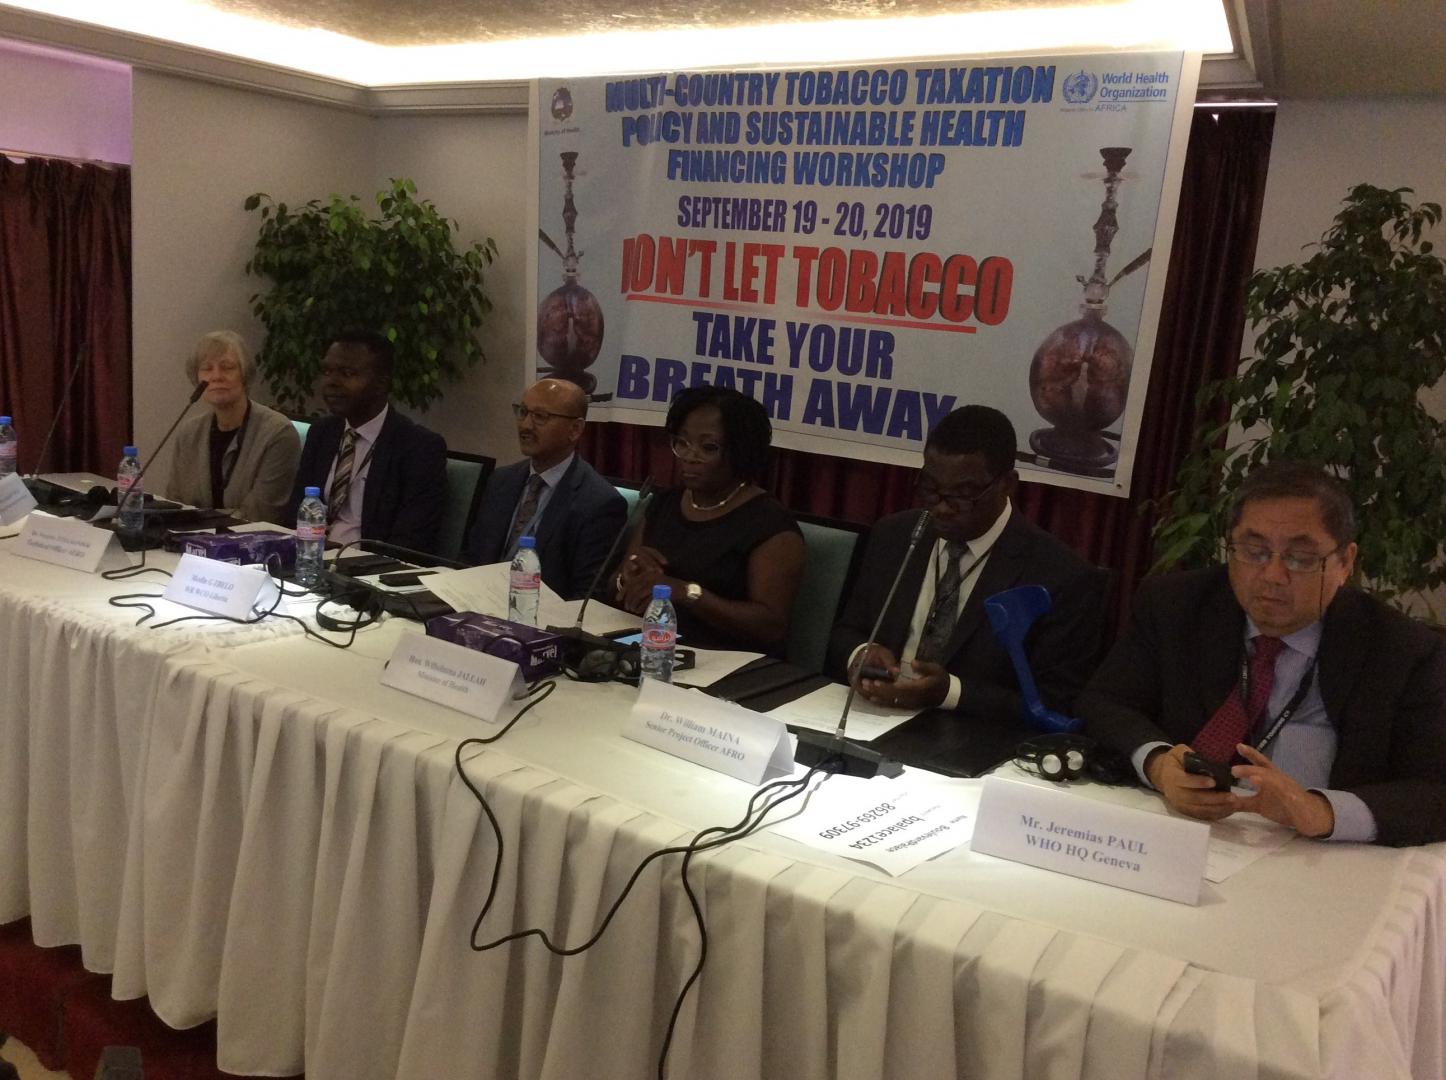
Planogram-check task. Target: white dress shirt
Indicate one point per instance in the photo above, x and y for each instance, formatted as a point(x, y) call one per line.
point(347, 526)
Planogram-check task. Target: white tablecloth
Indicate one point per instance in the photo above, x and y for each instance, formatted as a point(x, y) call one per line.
point(283, 843)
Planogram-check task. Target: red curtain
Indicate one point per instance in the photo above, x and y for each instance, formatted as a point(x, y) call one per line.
point(1201, 321)
point(65, 294)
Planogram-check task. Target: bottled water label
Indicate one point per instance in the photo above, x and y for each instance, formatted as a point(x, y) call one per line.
point(659, 637)
point(525, 579)
point(7, 453)
point(310, 532)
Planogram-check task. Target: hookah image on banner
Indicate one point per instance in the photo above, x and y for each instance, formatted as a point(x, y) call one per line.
point(864, 249)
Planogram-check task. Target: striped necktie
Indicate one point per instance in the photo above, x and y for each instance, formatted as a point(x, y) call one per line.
point(1234, 719)
point(526, 511)
point(944, 613)
point(341, 478)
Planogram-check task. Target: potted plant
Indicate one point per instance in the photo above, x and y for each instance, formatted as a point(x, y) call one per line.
point(1345, 342)
point(332, 267)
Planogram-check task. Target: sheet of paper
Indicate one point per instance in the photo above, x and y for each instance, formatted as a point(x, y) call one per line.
point(482, 589)
point(710, 665)
point(1240, 840)
point(598, 619)
point(820, 711)
point(893, 824)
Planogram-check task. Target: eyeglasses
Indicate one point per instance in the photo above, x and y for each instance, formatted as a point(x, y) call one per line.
point(708, 451)
point(928, 493)
point(1295, 562)
point(538, 415)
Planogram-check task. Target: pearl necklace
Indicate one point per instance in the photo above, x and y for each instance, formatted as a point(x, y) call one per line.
point(717, 505)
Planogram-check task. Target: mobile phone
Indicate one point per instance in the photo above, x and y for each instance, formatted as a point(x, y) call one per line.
point(404, 578)
point(1200, 766)
point(871, 671)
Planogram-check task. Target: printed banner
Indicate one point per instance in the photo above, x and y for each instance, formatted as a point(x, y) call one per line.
point(863, 250)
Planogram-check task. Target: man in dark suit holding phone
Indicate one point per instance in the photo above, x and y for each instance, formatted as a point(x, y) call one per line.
point(1275, 672)
point(935, 648)
point(552, 495)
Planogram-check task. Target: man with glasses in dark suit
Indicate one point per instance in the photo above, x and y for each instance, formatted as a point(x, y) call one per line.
point(1284, 678)
point(552, 495)
point(935, 647)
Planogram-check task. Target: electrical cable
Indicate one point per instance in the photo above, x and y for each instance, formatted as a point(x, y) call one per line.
point(726, 835)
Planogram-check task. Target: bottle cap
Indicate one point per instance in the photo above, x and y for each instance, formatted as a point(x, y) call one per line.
point(4, 420)
point(128, 451)
point(313, 492)
point(662, 592)
point(527, 542)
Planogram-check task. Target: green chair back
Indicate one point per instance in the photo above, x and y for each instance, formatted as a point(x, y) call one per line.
point(466, 477)
point(829, 553)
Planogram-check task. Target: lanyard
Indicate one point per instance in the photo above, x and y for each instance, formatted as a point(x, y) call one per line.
point(964, 576)
point(1283, 717)
point(233, 451)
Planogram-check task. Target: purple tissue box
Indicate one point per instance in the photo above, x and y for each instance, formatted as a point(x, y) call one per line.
point(244, 549)
point(537, 652)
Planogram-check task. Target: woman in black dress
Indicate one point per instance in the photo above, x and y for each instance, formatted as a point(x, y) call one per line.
point(730, 551)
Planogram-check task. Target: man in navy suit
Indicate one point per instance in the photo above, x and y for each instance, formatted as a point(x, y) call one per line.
point(382, 476)
point(552, 495)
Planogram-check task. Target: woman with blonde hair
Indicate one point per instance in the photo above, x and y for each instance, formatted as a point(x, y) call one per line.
point(241, 456)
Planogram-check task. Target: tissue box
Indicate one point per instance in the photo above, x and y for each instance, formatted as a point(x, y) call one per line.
point(244, 549)
point(536, 652)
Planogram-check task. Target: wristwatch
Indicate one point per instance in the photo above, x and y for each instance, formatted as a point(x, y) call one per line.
point(693, 592)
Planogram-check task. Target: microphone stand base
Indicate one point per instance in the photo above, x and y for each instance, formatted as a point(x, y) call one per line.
point(853, 759)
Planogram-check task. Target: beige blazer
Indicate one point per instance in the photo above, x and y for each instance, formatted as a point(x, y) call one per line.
point(264, 470)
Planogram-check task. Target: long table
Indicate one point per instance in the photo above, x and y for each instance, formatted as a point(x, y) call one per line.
point(247, 825)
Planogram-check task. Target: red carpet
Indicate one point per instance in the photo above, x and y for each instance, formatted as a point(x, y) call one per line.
point(66, 1015)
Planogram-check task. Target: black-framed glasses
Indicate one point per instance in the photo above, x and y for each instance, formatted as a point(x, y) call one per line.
point(539, 416)
point(1295, 562)
point(960, 502)
point(708, 451)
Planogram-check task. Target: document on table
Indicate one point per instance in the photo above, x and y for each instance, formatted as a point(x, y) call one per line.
point(820, 711)
point(710, 665)
point(482, 589)
point(893, 824)
point(1240, 840)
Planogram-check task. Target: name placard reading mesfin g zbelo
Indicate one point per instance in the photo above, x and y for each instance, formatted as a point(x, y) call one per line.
point(472, 682)
point(15, 499)
point(716, 734)
point(220, 588)
point(1138, 850)
point(70, 542)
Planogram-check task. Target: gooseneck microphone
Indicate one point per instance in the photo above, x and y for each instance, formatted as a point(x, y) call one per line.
point(137, 483)
point(857, 760)
point(55, 420)
point(644, 494)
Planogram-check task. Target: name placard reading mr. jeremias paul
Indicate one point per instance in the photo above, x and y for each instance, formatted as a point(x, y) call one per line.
point(1115, 845)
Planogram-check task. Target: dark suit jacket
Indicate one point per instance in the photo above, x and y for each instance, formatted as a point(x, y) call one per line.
point(1382, 679)
point(406, 488)
point(582, 518)
point(1062, 645)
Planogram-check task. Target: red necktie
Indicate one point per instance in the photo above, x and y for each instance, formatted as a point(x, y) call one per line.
point(1233, 720)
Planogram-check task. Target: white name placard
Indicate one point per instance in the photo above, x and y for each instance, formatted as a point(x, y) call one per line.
point(15, 499)
point(219, 588)
point(715, 734)
point(472, 682)
point(1056, 830)
point(71, 542)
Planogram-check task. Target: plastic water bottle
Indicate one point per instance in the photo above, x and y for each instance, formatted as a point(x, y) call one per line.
point(9, 446)
point(130, 499)
point(525, 585)
point(660, 636)
point(310, 538)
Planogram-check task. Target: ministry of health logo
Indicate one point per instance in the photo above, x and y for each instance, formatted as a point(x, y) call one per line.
point(1080, 87)
point(561, 106)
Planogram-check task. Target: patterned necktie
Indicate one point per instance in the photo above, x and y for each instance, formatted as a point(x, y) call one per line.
point(1234, 719)
point(526, 511)
point(945, 611)
point(341, 477)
